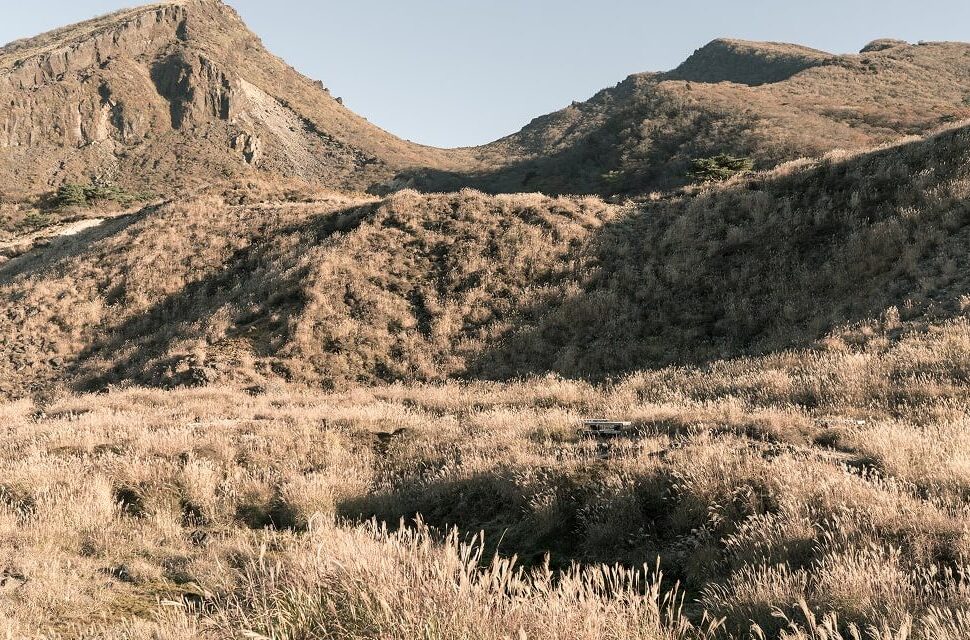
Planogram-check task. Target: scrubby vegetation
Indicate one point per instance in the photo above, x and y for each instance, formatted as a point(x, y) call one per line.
point(17, 220)
point(810, 491)
point(718, 168)
point(336, 290)
point(23, 221)
point(268, 410)
point(175, 509)
point(770, 102)
point(817, 490)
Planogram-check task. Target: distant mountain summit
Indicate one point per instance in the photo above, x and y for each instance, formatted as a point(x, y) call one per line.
point(750, 63)
point(765, 101)
point(172, 95)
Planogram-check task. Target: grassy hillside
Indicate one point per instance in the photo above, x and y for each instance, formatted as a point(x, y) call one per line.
point(335, 290)
point(332, 291)
point(761, 264)
point(766, 101)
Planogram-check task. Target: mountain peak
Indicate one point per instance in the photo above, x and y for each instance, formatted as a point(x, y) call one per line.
point(134, 31)
point(174, 94)
point(747, 62)
point(883, 44)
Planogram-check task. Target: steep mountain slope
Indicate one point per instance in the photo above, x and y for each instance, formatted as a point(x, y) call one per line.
point(767, 101)
point(335, 291)
point(177, 94)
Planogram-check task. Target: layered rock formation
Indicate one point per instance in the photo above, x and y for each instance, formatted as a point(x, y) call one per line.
point(172, 95)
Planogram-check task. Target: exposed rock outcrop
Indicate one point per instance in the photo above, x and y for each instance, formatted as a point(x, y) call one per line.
point(171, 95)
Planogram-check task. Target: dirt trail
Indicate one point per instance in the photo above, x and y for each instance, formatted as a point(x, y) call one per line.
point(22, 244)
point(74, 228)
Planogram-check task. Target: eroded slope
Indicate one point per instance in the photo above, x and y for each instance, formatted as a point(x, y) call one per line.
point(177, 95)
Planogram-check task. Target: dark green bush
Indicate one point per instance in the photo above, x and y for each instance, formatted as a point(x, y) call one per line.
point(36, 219)
point(71, 195)
point(83, 195)
point(718, 168)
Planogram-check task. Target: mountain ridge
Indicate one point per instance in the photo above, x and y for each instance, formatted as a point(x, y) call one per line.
point(643, 134)
point(176, 95)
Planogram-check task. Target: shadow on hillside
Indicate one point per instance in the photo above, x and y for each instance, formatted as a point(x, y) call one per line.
point(578, 169)
point(765, 265)
point(632, 527)
point(145, 341)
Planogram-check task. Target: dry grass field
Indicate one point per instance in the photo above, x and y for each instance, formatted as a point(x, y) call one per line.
point(143, 513)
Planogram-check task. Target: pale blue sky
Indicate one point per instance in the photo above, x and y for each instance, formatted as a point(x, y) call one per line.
point(462, 72)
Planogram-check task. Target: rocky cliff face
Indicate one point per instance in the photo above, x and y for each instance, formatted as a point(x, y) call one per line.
point(171, 95)
point(73, 94)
